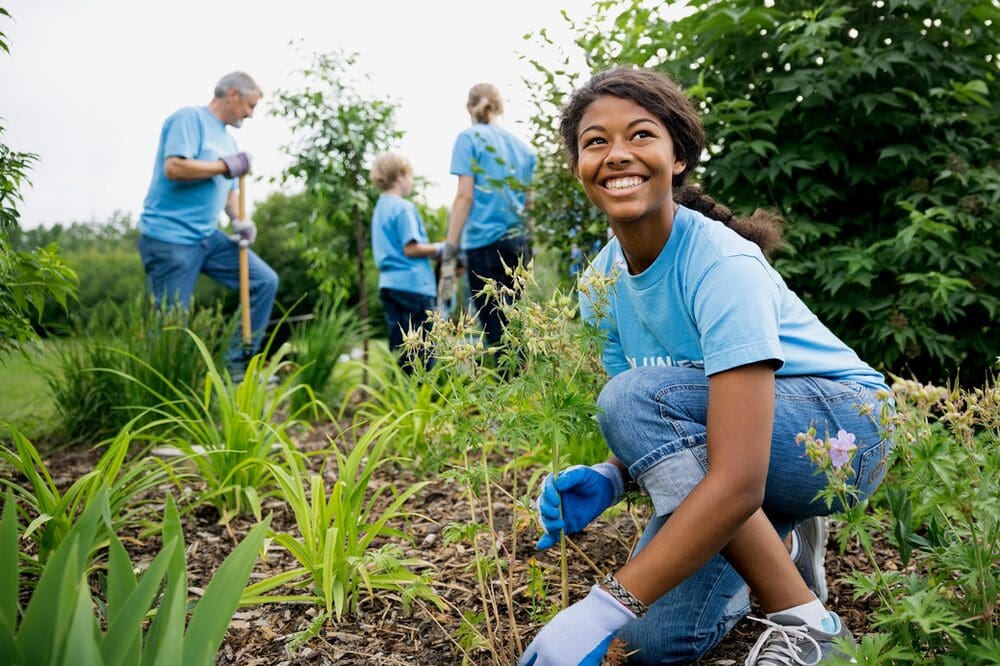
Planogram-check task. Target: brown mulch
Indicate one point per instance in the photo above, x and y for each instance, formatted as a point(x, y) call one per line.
point(380, 632)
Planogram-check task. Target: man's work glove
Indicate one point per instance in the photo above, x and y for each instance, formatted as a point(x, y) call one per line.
point(579, 635)
point(243, 230)
point(446, 282)
point(237, 164)
point(584, 493)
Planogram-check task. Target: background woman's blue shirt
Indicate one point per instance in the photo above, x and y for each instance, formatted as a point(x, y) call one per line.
point(494, 158)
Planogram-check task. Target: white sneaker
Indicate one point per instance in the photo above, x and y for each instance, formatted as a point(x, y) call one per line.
point(788, 641)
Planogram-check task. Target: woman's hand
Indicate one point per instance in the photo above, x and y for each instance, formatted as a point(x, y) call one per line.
point(574, 498)
point(579, 635)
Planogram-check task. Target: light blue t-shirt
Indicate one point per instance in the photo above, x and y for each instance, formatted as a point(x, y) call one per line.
point(710, 300)
point(187, 211)
point(396, 222)
point(492, 155)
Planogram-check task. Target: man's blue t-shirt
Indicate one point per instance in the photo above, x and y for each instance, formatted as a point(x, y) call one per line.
point(396, 222)
point(710, 300)
point(492, 155)
point(187, 211)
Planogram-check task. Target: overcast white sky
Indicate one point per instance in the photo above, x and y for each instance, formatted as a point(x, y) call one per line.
point(89, 82)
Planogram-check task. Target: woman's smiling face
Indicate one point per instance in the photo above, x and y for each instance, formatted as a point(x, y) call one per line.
point(626, 161)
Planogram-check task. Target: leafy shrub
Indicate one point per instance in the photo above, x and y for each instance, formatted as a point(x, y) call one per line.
point(938, 509)
point(871, 127)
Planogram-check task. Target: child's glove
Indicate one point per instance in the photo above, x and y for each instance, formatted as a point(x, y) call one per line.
point(579, 635)
point(583, 492)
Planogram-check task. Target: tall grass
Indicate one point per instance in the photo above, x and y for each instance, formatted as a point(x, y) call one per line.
point(320, 343)
point(229, 431)
point(90, 385)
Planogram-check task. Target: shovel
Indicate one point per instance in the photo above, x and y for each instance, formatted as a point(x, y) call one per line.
point(245, 279)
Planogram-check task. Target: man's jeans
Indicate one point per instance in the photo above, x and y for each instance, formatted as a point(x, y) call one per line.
point(405, 311)
point(654, 421)
point(172, 271)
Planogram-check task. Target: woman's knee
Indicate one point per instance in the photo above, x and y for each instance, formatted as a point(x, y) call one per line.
point(645, 397)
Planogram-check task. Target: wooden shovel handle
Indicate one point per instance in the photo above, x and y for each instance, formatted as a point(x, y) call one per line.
point(244, 270)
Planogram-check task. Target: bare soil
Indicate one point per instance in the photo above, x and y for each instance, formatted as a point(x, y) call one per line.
point(381, 633)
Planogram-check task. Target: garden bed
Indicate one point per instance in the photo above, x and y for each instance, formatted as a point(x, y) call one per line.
point(381, 633)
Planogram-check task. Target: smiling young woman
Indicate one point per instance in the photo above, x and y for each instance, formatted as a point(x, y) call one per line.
point(715, 367)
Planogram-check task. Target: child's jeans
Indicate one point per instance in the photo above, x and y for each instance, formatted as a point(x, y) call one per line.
point(654, 421)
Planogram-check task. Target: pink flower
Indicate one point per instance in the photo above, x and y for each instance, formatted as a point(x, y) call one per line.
point(841, 447)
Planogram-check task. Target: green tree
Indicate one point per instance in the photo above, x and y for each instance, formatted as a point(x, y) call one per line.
point(27, 278)
point(873, 128)
point(337, 130)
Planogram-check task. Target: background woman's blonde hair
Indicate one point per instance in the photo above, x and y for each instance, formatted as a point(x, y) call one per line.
point(387, 169)
point(484, 102)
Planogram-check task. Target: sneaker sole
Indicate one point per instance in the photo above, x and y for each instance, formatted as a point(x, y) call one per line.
point(818, 557)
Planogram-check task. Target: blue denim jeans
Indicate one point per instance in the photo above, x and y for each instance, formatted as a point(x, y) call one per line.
point(404, 311)
point(654, 421)
point(172, 271)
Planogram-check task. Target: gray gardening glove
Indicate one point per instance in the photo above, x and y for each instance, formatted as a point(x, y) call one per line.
point(243, 230)
point(448, 250)
point(446, 283)
point(237, 164)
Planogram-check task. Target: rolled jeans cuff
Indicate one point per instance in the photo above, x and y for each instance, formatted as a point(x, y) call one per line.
point(673, 477)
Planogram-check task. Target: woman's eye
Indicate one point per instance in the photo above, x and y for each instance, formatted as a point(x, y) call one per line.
point(593, 140)
point(642, 134)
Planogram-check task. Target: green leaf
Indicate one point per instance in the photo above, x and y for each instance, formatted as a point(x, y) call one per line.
point(9, 571)
point(165, 639)
point(81, 643)
point(122, 642)
point(215, 609)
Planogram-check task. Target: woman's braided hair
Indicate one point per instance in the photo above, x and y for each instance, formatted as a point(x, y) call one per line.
point(661, 96)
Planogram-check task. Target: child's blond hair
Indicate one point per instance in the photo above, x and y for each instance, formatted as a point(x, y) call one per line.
point(387, 169)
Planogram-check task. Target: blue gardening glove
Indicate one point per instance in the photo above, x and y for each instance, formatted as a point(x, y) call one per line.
point(237, 164)
point(584, 493)
point(243, 230)
point(579, 635)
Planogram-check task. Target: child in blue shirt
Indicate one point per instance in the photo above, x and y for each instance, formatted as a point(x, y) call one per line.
point(402, 254)
point(715, 367)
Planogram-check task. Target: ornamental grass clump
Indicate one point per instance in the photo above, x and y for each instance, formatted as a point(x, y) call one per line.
point(230, 430)
point(342, 529)
point(66, 622)
point(50, 512)
point(319, 344)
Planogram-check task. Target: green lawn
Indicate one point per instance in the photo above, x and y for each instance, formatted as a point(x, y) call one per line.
point(25, 401)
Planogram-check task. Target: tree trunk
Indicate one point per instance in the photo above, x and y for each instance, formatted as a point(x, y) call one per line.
point(360, 245)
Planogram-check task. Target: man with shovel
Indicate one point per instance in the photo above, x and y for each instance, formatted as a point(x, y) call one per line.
point(197, 173)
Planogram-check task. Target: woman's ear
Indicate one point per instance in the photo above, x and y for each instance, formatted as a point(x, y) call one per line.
point(679, 166)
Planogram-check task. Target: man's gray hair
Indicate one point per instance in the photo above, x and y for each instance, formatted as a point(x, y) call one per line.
point(241, 81)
